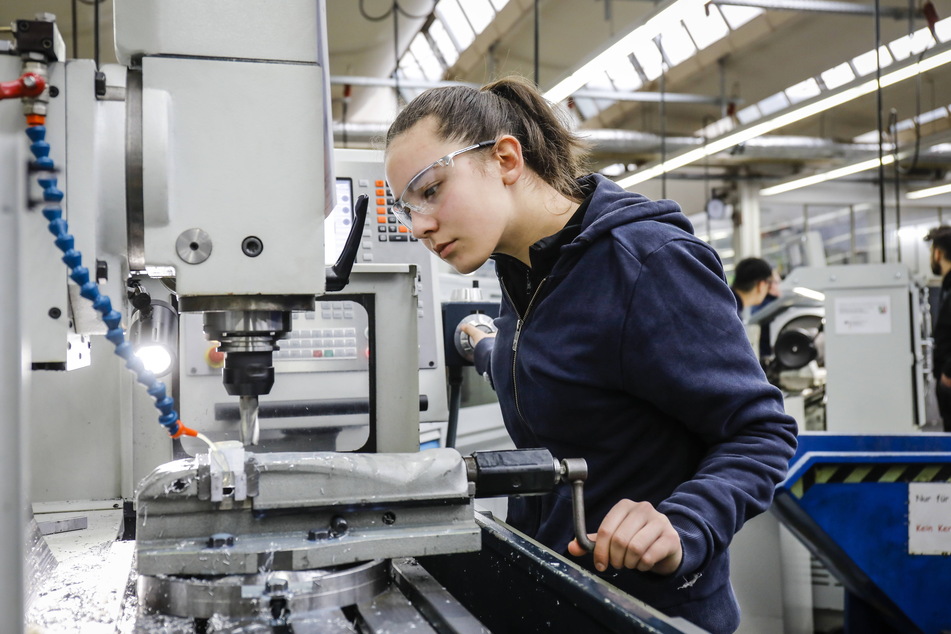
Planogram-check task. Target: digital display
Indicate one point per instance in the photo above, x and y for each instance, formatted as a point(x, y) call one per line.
point(337, 224)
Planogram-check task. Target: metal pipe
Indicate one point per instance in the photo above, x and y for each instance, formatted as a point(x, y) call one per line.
point(617, 95)
point(816, 6)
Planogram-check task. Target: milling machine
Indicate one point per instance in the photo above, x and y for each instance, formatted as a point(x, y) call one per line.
point(185, 145)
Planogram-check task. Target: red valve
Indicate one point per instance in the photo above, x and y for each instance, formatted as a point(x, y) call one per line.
point(28, 85)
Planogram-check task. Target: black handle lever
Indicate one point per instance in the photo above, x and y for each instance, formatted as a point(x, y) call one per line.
point(338, 275)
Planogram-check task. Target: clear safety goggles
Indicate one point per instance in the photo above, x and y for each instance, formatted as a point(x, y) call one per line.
point(419, 192)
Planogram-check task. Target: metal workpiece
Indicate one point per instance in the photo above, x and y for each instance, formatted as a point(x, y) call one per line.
point(303, 511)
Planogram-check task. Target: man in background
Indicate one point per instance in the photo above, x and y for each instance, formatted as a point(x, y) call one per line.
point(940, 238)
point(751, 283)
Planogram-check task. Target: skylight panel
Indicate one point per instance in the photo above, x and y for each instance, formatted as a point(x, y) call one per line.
point(705, 29)
point(748, 114)
point(443, 42)
point(648, 57)
point(803, 90)
point(866, 63)
point(677, 44)
point(455, 22)
point(410, 67)
point(837, 76)
point(773, 103)
point(586, 107)
point(901, 48)
point(943, 29)
point(622, 74)
point(427, 60)
point(716, 128)
point(738, 16)
point(479, 12)
point(921, 40)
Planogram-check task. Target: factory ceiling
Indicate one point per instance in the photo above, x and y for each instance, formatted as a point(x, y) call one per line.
point(679, 75)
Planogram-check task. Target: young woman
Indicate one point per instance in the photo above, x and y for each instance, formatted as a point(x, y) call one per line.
point(618, 342)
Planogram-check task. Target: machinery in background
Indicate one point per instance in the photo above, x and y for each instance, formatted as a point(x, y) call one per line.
point(876, 510)
point(830, 326)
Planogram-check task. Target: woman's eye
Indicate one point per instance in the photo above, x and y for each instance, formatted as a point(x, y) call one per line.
point(430, 191)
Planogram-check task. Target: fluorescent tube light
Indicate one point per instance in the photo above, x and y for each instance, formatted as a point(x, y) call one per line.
point(941, 55)
point(846, 170)
point(809, 293)
point(930, 191)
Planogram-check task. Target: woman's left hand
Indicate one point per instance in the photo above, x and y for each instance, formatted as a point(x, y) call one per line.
point(635, 535)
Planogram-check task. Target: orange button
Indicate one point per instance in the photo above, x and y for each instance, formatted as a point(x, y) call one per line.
point(381, 201)
point(403, 229)
point(381, 192)
point(381, 210)
point(381, 220)
point(214, 357)
point(379, 183)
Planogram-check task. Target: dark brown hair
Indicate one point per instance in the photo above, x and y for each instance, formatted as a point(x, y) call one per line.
point(512, 106)
point(940, 237)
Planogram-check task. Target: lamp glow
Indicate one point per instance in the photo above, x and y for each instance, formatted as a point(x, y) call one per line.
point(930, 191)
point(156, 358)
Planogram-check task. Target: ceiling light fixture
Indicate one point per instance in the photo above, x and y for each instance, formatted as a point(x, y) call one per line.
point(940, 55)
point(930, 191)
point(846, 170)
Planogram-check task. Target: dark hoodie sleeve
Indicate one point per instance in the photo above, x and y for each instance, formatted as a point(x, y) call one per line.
point(482, 356)
point(686, 352)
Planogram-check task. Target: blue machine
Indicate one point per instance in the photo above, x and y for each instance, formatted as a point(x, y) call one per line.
point(877, 511)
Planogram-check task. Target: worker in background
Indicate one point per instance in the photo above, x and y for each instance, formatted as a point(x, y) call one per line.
point(617, 342)
point(940, 238)
point(751, 283)
point(774, 293)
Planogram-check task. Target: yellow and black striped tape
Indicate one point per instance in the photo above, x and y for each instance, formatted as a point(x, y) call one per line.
point(855, 473)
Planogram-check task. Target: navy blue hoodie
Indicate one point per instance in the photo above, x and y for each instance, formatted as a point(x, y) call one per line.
point(631, 356)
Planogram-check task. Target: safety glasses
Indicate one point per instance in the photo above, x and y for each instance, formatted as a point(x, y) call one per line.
point(419, 193)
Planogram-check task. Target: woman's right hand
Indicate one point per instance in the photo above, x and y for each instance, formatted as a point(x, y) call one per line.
point(475, 334)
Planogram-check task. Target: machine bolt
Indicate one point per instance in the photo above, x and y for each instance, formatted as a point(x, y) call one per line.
point(389, 518)
point(339, 526)
point(221, 540)
point(314, 535)
point(252, 246)
point(54, 92)
point(55, 313)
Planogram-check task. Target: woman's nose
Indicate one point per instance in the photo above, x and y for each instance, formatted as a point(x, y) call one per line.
point(423, 225)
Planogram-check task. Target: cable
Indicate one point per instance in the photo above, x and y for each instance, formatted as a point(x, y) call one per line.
point(89, 289)
point(375, 18)
point(878, 98)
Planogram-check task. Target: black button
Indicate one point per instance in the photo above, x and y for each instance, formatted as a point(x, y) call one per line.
point(398, 238)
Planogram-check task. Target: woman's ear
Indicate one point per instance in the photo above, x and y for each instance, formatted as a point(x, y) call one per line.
point(508, 152)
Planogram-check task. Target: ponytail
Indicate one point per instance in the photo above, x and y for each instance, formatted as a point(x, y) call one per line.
point(508, 106)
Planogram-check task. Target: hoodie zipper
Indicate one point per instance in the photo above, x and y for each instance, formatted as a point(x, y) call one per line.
point(518, 331)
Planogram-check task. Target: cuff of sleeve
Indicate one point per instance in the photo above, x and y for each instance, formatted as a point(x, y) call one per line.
point(482, 355)
point(694, 544)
